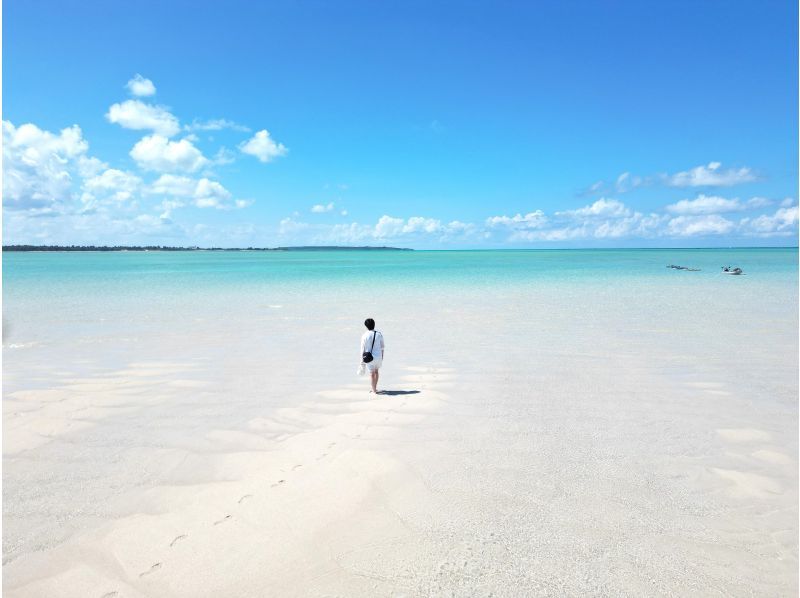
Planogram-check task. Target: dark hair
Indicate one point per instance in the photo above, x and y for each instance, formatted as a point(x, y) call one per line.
point(369, 323)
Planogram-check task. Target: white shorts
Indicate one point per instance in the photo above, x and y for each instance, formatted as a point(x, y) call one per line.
point(374, 365)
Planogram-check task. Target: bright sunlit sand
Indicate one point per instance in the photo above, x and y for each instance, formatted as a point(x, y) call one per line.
point(615, 443)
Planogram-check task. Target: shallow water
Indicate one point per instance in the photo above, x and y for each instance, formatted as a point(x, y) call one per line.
point(571, 366)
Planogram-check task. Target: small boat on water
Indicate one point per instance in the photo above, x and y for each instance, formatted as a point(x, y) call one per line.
point(732, 271)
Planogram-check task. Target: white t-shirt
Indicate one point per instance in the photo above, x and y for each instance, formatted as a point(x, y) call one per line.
point(366, 343)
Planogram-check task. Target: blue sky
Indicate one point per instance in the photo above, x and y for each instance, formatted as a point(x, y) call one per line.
point(420, 124)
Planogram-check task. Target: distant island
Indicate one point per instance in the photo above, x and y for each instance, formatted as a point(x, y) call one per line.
point(166, 248)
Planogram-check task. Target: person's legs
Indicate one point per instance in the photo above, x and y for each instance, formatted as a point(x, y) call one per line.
point(374, 379)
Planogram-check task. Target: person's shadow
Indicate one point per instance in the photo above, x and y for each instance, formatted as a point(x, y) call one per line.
point(396, 393)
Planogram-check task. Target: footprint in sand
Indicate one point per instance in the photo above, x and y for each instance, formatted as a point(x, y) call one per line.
point(181, 537)
point(223, 520)
point(296, 467)
point(322, 456)
point(155, 567)
point(113, 594)
point(278, 482)
point(244, 498)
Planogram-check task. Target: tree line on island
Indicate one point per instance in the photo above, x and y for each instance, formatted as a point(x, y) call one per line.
point(193, 248)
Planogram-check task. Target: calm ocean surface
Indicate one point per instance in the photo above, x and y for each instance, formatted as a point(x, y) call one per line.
point(144, 272)
point(63, 296)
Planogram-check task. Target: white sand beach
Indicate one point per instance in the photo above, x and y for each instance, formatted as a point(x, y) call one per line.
point(533, 443)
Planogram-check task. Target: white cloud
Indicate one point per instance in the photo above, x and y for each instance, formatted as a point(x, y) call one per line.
point(322, 208)
point(288, 226)
point(139, 86)
point(160, 154)
point(687, 226)
point(705, 204)
point(636, 225)
point(535, 219)
point(758, 202)
point(39, 166)
point(711, 175)
point(352, 232)
point(343, 212)
point(263, 147)
point(787, 202)
point(783, 221)
point(607, 208)
point(170, 184)
point(388, 227)
point(553, 234)
point(626, 182)
point(203, 193)
point(133, 114)
point(112, 185)
point(419, 224)
point(211, 194)
point(89, 166)
point(216, 124)
point(223, 156)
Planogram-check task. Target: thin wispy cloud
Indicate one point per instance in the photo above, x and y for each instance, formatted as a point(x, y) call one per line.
point(712, 175)
point(322, 208)
point(216, 124)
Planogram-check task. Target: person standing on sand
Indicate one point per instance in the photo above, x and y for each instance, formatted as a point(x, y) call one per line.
point(372, 342)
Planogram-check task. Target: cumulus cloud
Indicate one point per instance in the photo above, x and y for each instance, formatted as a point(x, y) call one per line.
point(424, 225)
point(39, 166)
point(688, 226)
point(158, 153)
point(535, 219)
point(711, 175)
point(139, 86)
point(782, 222)
point(170, 184)
point(705, 204)
point(289, 226)
point(211, 194)
point(202, 193)
point(388, 227)
point(263, 147)
point(601, 208)
point(322, 208)
point(134, 114)
point(112, 186)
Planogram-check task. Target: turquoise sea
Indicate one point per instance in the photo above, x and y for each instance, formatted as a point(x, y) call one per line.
point(48, 292)
point(126, 272)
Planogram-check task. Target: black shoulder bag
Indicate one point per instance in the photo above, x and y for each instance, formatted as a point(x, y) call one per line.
point(366, 357)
